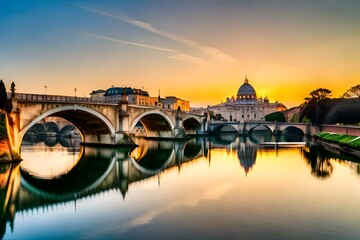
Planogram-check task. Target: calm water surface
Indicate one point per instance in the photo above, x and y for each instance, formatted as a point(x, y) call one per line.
point(224, 187)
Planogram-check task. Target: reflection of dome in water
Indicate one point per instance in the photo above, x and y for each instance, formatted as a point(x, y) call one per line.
point(246, 91)
point(247, 157)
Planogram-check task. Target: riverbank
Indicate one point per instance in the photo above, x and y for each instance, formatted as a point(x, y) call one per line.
point(345, 144)
point(6, 152)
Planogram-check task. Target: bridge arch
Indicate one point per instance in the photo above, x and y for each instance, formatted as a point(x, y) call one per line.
point(265, 133)
point(292, 134)
point(260, 127)
point(223, 128)
point(87, 120)
point(293, 130)
point(191, 125)
point(156, 123)
point(51, 127)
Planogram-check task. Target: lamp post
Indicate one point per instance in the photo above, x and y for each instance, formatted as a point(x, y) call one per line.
point(75, 94)
point(45, 92)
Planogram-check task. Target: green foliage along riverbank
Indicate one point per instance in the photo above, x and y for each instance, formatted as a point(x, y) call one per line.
point(341, 139)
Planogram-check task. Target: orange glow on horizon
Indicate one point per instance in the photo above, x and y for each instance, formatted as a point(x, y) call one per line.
point(285, 55)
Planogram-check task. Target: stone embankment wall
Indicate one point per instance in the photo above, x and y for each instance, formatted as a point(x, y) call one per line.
point(7, 153)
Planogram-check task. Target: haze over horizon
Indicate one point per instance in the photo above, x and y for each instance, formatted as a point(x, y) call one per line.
point(196, 50)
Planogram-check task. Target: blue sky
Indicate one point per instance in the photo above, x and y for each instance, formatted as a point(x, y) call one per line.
point(196, 50)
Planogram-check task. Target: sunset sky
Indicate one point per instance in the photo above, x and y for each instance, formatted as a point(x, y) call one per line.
point(196, 50)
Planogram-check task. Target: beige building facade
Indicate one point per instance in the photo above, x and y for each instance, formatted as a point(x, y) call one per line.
point(245, 106)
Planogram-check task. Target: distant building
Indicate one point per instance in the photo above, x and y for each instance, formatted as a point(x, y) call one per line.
point(245, 106)
point(172, 102)
point(197, 110)
point(139, 97)
point(113, 95)
point(143, 100)
point(97, 95)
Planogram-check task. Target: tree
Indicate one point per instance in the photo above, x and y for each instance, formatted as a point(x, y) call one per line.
point(275, 116)
point(352, 92)
point(313, 107)
point(3, 96)
point(319, 95)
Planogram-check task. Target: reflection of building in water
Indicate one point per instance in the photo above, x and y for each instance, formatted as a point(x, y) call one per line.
point(245, 106)
point(247, 155)
point(246, 149)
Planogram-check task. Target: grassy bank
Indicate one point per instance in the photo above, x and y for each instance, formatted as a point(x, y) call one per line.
point(341, 139)
point(345, 144)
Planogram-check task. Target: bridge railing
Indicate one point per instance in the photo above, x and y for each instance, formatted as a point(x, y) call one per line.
point(50, 98)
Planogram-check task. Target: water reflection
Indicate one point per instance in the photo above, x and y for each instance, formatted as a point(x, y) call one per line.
point(320, 159)
point(116, 170)
point(9, 187)
point(43, 145)
point(50, 157)
point(92, 168)
point(88, 166)
point(266, 136)
point(153, 156)
point(263, 136)
point(247, 152)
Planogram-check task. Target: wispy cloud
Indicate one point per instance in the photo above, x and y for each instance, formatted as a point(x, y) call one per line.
point(210, 51)
point(132, 43)
point(178, 56)
point(188, 58)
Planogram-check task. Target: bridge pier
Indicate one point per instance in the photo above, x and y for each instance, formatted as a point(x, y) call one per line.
point(123, 169)
point(13, 133)
point(122, 130)
point(179, 153)
point(179, 130)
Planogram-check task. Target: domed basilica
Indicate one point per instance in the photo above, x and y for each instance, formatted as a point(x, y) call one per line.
point(246, 106)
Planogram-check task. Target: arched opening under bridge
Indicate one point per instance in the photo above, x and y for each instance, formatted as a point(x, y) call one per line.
point(152, 125)
point(93, 126)
point(191, 126)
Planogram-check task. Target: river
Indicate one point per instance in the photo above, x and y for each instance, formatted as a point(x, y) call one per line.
point(220, 187)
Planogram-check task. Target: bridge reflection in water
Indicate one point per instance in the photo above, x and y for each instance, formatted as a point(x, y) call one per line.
point(91, 171)
point(94, 170)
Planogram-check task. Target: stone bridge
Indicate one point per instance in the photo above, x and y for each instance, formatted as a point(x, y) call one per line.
point(249, 127)
point(275, 128)
point(101, 123)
